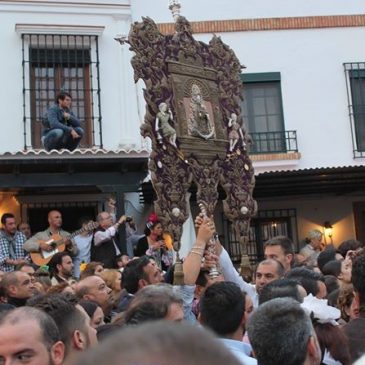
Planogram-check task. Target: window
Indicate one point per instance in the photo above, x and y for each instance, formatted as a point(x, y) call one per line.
point(267, 224)
point(263, 113)
point(52, 63)
point(355, 82)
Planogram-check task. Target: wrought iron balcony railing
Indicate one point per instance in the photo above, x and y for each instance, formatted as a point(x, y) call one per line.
point(274, 142)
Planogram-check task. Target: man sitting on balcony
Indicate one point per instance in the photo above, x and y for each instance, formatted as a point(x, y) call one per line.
point(62, 127)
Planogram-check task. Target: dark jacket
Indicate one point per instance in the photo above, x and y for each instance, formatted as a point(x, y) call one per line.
point(142, 247)
point(16, 302)
point(105, 252)
point(55, 119)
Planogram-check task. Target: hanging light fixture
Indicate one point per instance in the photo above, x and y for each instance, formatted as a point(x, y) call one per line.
point(328, 230)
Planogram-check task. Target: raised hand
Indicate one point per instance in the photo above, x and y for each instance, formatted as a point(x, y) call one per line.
point(205, 231)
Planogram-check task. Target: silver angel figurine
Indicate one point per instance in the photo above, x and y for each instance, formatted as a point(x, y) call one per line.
point(235, 132)
point(164, 125)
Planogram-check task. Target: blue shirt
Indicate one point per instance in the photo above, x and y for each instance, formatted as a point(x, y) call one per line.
point(237, 348)
point(187, 294)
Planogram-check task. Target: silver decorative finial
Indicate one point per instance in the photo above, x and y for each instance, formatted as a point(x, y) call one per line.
point(175, 6)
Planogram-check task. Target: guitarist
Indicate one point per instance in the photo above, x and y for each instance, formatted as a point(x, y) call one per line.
point(38, 241)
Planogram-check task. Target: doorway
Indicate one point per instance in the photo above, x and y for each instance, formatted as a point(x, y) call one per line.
point(359, 215)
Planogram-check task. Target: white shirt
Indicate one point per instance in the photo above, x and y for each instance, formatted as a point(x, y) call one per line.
point(108, 234)
point(230, 274)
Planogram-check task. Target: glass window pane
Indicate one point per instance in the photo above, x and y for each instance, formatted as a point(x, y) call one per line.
point(270, 90)
point(259, 107)
point(274, 123)
point(260, 124)
point(256, 91)
point(358, 104)
point(262, 100)
point(273, 105)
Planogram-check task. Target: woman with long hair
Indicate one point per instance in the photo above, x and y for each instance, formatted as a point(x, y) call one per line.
point(90, 269)
point(346, 304)
point(154, 245)
point(113, 280)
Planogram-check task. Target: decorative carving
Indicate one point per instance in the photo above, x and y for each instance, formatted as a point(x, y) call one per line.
point(171, 180)
point(201, 85)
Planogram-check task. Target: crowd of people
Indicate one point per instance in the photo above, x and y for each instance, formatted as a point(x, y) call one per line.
point(62, 294)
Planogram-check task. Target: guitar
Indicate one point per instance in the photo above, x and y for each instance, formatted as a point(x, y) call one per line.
point(57, 242)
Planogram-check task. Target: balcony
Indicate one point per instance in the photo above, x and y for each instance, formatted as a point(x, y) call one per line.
point(274, 142)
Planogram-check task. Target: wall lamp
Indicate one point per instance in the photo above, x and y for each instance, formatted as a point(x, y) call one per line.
point(328, 231)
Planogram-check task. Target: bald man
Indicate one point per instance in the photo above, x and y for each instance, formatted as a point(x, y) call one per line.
point(94, 288)
point(38, 241)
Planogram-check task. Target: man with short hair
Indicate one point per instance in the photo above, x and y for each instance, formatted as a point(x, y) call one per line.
point(154, 302)
point(310, 280)
point(28, 335)
point(62, 127)
point(222, 310)
point(18, 287)
point(11, 244)
point(355, 329)
point(280, 248)
point(327, 255)
point(107, 246)
point(281, 332)
point(29, 269)
point(39, 240)
point(72, 321)
point(94, 288)
point(266, 271)
point(24, 227)
point(26, 267)
point(61, 268)
point(137, 274)
point(282, 288)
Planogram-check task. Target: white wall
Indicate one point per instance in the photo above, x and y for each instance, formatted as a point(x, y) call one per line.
point(118, 92)
point(195, 10)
